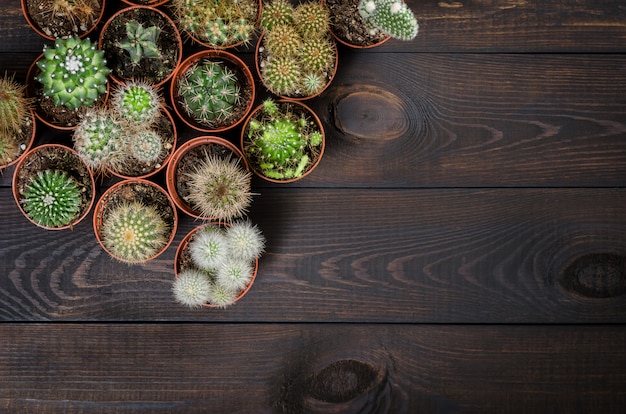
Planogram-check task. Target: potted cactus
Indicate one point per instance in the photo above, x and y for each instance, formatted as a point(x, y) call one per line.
point(151, 3)
point(54, 19)
point(370, 23)
point(66, 80)
point(141, 42)
point(17, 121)
point(216, 264)
point(135, 221)
point(52, 187)
point(296, 57)
point(212, 90)
point(208, 179)
point(282, 141)
point(218, 24)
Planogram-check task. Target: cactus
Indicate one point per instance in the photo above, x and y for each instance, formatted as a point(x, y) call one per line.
point(208, 248)
point(219, 188)
point(145, 146)
point(245, 240)
point(209, 92)
point(137, 101)
point(14, 105)
point(234, 274)
point(134, 232)
point(52, 198)
point(192, 288)
point(318, 55)
point(276, 12)
point(73, 72)
point(282, 75)
point(312, 19)
point(8, 148)
point(392, 17)
point(140, 42)
point(98, 139)
point(280, 142)
point(221, 296)
point(283, 41)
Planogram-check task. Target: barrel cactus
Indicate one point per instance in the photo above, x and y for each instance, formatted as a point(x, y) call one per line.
point(392, 17)
point(137, 101)
point(73, 72)
point(14, 118)
point(99, 139)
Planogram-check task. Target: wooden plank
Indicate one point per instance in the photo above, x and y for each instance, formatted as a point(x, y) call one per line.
point(411, 256)
point(299, 368)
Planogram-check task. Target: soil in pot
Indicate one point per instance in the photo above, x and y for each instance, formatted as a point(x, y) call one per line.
point(15, 143)
point(60, 18)
point(347, 25)
point(151, 70)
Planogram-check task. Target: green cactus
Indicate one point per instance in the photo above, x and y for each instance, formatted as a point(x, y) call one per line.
point(318, 55)
point(209, 248)
point(221, 296)
point(137, 101)
point(14, 105)
point(283, 41)
point(219, 188)
point(276, 12)
point(208, 93)
point(312, 19)
point(281, 143)
point(392, 17)
point(8, 148)
point(282, 75)
point(140, 42)
point(192, 288)
point(98, 139)
point(245, 240)
point(146, 145)
point(73, 72)
point(234, 274)
point(134, 232)
point(52, 199)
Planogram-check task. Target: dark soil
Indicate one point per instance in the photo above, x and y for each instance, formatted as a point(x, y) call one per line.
point(59, 24)
point(57, 158)
point(150, 70)
point(347, 25)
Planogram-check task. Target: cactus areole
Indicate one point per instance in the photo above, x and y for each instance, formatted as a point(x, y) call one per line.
point(73, 72)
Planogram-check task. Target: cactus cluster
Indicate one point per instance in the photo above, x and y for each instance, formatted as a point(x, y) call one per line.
point(134, 232)
point(222, 264)
point(392, 17)
point(217, 23)
point(281, 143)
point(219, 188)
point(140, 42)
point(208, 92)
point(73, 72)
point(298, 53)
point(52, 199)
point(14, 115)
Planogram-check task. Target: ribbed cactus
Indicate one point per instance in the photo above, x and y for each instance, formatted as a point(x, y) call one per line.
point(134, 232)
point(137, 101)
point(98, 139)
point(140, 42)
point(276, 12)
point(245, 240)
point(52, 198)
point(282, 75)
point(209, 248)
point(312, 19)
point(392, 17)
point(192, 288)
point(14, 105)
point(145, 145)
point(73, 72)
point(208, 93)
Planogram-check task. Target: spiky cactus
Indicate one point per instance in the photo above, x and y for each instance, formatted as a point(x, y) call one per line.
point(192, 288)
point(312, 19)
point(245, 240)
point(14, 105)
point(221, 296)
point(80, 14)
point(73, 72)
point(52, 199)
point(219, 188)
point(282, 75)
point(145, 146)
point(208, 93)
point(276, 12)
point(98, 139)
point(234, 274)
point(283, 41)
point(392, 17)
point(140, 42)
point(209, 248)
point(134, 232)
point(137, 101)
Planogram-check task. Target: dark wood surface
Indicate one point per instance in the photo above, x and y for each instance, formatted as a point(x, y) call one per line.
point(460, 248)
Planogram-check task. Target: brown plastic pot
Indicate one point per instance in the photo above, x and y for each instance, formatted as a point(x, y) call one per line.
point(244, 140)
point(125, 189)
point(40, 31)
point(248, 87)
point(135, 11)
point(24, 148)
point(183, 249)
point(172, 171)
point(55, 162)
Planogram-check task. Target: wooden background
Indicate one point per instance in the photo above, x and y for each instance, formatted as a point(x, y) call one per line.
point(460, 248)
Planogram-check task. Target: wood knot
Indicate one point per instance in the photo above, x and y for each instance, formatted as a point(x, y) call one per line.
point(600, 275)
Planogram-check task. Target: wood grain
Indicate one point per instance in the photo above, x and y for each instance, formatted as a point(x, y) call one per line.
point(242, 368)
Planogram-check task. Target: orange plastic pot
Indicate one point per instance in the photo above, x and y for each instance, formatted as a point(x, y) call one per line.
point(39, 30)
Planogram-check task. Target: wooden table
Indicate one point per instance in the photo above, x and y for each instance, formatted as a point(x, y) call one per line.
point(460, 248)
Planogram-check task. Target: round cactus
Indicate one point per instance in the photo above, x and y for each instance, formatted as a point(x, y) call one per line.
point(192, 288)
point(134, 232)
point(221, 296)
point(137, 101)
point(73, 72)
point(392, 17)
point(283, 41)
point(281, 75)
point(234, 274)
point(8, 147)
point(276, 12)
point(209, 248)
point(145, 146)
point(14, 105)
point(98, 139)
point(245, 240)
point(318, 54)
point(312, 19)
point(52, 198)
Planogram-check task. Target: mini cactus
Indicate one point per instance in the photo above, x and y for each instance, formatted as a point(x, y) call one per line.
point(133, 232)
point(221, 296)
point(52, 199)
point(209, 92)
point(245, 240)
point(276, 12)
point(282, 75)
point(8, 148)
point(234, 274)
point(14, 105)
point(219, 188)
point(140, 42)
point(312, 19)
point(192, 288)
point(137, 102)
point(98, 139)
point(73, 72)
point(283, 41)
point(145, 146)
point(209, 248)
point(392, 17)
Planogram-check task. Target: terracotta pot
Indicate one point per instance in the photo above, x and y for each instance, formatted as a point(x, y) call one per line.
point(40, 31)
point(168, 119)
point(24, 148)
point(80, 171)
point(257, 62)
point(234, 63)
point(244, 140)
point(183, 250)
point(173, 168)
point(33, 90)
point(125, 190)
point(116, 63)
point(346, 42)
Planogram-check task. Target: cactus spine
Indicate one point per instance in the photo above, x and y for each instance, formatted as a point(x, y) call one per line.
point(14, 116)
point(392, 17)
point(192, 288)
point(52, 198)
point(98, 139)
point(137, 101)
